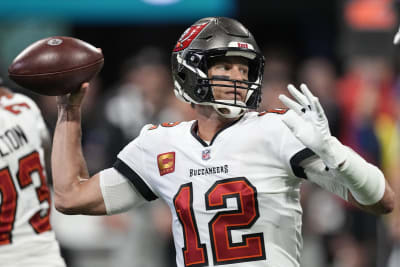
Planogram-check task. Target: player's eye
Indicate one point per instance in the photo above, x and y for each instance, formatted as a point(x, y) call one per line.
point(223, 67)
point(244, 71)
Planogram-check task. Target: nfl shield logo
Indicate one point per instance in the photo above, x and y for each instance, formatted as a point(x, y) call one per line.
point(205, 155)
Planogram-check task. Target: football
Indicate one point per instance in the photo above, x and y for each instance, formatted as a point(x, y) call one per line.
point(56, 65)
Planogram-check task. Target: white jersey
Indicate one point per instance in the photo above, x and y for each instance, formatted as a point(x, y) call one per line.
point(234, 201)
point(26, 238)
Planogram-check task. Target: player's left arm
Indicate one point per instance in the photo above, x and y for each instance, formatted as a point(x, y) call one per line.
point(383, 206)
point(334, 182)
point(368, 188)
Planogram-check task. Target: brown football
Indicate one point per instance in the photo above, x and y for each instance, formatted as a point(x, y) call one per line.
point(56, 65)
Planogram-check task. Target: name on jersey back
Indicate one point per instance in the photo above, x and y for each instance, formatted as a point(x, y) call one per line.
point(11, 140)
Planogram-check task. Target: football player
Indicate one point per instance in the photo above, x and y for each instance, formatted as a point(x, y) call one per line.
point(26, 236)
point(232, 177)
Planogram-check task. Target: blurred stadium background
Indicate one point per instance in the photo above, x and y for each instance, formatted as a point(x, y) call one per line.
point(341, 48)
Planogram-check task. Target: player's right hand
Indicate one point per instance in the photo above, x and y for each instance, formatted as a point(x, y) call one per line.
point(74, 99)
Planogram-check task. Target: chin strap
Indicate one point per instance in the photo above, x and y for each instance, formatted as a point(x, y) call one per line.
point(229, 112)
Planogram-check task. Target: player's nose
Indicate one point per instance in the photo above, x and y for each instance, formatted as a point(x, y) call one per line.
point(236, 74)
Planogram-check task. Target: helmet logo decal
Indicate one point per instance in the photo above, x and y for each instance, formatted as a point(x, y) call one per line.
point(188, 36)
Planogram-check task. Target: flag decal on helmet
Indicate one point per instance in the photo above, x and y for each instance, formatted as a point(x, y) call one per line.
point(188, 36)
point(166, 163)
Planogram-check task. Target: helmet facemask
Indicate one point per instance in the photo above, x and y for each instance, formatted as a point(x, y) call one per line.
point(231, 108)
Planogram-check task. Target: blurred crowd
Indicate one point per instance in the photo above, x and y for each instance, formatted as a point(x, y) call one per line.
point(362, 103)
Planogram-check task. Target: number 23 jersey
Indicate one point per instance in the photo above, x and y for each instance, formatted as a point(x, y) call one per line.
point(26, 236)
point(235, 201)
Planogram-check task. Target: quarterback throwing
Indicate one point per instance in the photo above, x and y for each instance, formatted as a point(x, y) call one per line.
point(232, 176)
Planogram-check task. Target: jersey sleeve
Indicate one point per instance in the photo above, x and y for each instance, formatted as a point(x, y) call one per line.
point(119, 194)
point(293, 152)
point(317, 173)
point(130, 163)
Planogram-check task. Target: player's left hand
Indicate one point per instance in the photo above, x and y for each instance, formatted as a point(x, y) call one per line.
point(307, 120)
